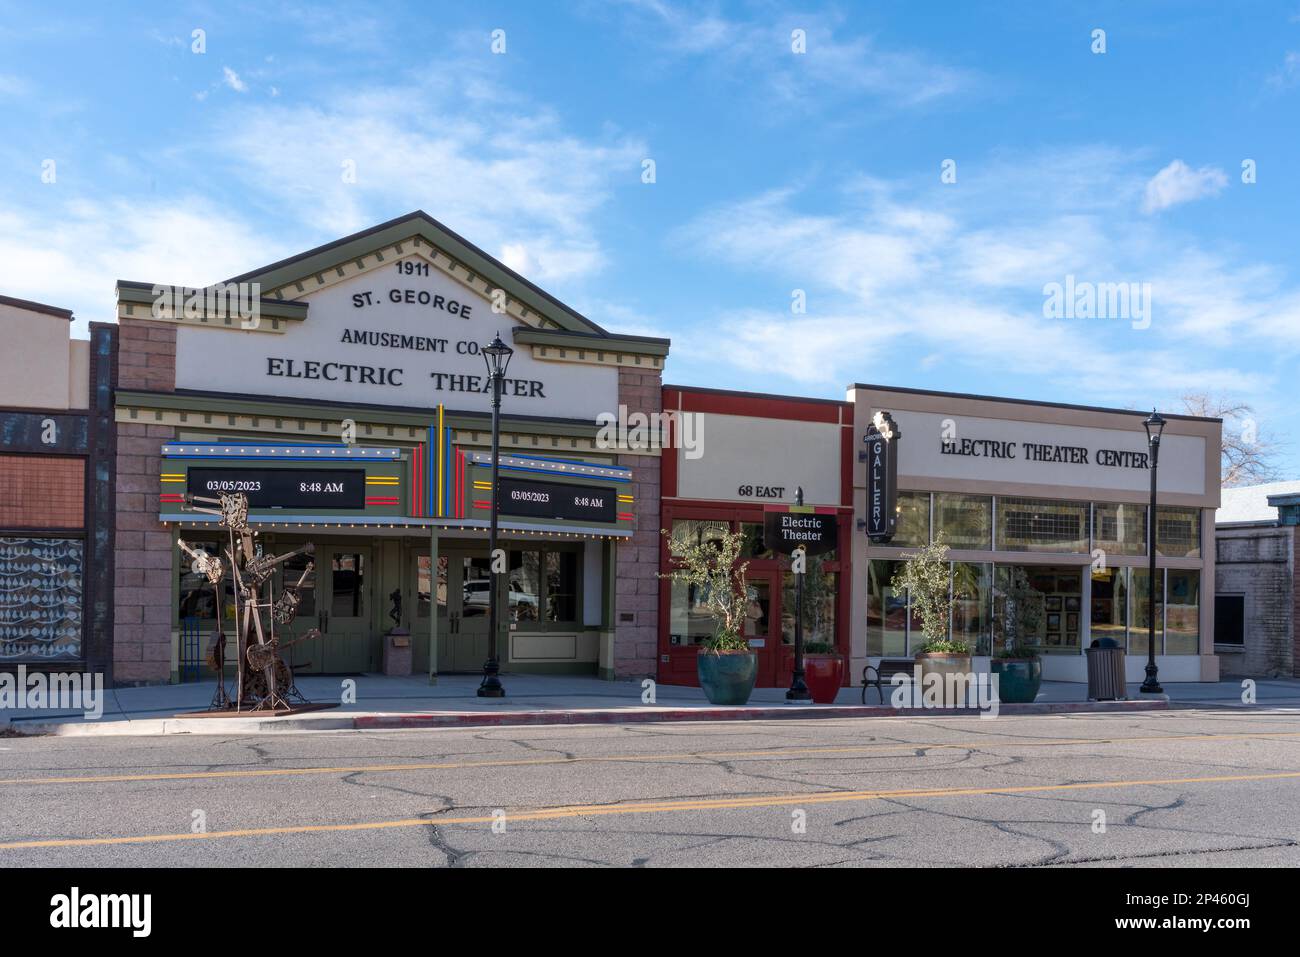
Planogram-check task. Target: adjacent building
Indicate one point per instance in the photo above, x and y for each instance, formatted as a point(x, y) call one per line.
point(1255, 586)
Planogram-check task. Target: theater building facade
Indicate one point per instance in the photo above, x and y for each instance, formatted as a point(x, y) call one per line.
point(343, 390)
point(1059, 494)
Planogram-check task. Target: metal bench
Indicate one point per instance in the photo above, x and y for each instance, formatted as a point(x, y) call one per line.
point(886, 670)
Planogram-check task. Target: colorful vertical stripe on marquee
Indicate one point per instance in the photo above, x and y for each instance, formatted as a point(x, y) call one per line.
point(437, 474)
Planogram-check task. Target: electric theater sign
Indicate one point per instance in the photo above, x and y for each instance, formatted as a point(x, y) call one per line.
point(881, 457)
point(800, 527)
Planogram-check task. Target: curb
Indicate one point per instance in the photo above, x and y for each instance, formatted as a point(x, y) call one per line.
point(488, 719)
point(739, 713)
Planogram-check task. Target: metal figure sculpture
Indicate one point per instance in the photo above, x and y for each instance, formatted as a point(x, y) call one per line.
point(261, 678)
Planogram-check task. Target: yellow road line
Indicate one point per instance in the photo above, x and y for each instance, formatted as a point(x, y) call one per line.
point(649, 807)
point(643, 758)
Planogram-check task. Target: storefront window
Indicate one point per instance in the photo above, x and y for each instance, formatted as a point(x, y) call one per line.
point(689, 622)
point(195, 595)
point(752, 544)
point(1183, 612)
point(1055, 619)
point(819, 594)
point(1036, 525)
point(1109, 605)
point(972, 588)
point(886, 611)
point(1178, 532)
point(561, 585)
point(696, 531)
point(347, 586)
point(290, 574)
point(40, 598)
point(424, 585)
point(525, 584)
point(913, 528)
point(1119, 529)
point(1140, 618)
point(964, 521)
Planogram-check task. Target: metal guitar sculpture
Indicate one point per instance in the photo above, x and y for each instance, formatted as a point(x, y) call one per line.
point(210, 567)
point(262, 678)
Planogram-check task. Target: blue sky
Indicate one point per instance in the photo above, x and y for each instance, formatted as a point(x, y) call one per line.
point(775, 171)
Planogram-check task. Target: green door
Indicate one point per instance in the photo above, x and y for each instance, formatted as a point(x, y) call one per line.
point(303, 657)
point(343, 576)
point(468, 586)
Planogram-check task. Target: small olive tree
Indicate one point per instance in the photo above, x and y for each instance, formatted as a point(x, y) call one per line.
point(926, 577)
point(711, 568)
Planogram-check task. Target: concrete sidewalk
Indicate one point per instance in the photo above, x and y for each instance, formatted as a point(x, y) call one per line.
point(382, 702)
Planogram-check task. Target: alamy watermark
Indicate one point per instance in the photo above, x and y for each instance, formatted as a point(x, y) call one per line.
point(59, 691)
point(965, 689)
point(221, 300)
point(1073, 299)
point(651, 431)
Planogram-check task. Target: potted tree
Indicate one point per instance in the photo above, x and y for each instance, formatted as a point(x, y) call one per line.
point(926, 577)
point(726, 665)
point(1016, 661)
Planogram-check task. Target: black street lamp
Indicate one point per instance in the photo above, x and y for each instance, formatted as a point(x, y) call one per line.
point(1155, 426)
point(497, 356)
point(798, 689)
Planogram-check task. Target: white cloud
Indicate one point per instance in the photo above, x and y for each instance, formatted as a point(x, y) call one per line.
point(507, 177)
point(946, 284)
point(1179, 183)
point(232, 80)
point(832, 65)
point(74, 256)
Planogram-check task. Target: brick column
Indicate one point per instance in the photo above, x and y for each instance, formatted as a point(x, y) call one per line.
point(142, 605)
point(636, 601)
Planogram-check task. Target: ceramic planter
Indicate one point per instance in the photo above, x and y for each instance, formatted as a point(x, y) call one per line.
point(824, 675)
point(1018, 679)
point(944, 664)
point(727, 677)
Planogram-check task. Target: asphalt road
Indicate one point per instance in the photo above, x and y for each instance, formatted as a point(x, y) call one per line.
point(1160, 790)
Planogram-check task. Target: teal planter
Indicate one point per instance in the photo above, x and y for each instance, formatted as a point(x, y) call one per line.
point(727, 678)
point(1018, 679)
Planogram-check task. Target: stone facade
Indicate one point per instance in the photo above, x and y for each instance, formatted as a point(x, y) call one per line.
point(636, 603)
point(142, 586)
point(1258, 562)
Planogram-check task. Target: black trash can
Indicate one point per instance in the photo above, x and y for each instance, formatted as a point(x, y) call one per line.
point(1106, 680)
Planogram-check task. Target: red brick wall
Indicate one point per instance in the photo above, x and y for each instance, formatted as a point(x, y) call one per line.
point(42, 491)
point(142, 585)
point(637, 583)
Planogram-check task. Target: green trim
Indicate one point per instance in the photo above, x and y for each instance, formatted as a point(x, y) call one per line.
point(272, 408)
point(141, 294)
point(638, 345)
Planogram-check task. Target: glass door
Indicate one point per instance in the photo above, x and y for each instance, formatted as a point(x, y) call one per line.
point(343, 594)
point(762, 615)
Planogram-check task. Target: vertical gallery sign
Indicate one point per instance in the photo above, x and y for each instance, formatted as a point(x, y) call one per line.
point(881, 458)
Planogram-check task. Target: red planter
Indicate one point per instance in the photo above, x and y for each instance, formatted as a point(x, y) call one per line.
point(824, 675)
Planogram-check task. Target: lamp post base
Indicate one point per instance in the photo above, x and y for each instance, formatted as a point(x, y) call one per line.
point(491, 686)
point(1151, 685)
point(798, 690)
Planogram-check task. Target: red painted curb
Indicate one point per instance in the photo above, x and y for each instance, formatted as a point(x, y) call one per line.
point(472, 719)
